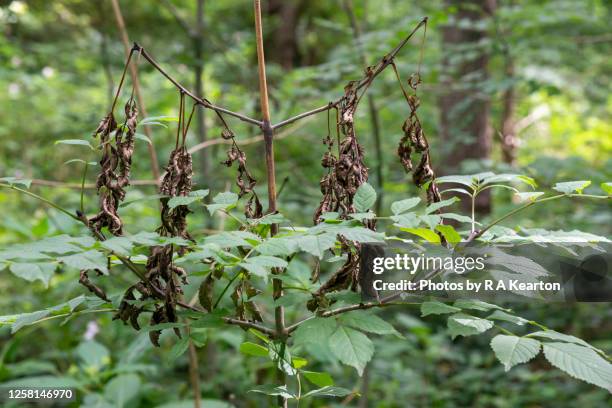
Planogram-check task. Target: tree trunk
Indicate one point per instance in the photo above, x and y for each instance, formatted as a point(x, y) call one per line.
point(464, 107)
point(284, 50)
point(198, 69)
point(509, 139)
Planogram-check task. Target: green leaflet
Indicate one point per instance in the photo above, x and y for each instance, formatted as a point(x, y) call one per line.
point(570, 187)
point(580, 362)
point(461, 324)
point(351, 347)
point(436, 308)
point(513, 350)
point(402, 206)
point(365, 197)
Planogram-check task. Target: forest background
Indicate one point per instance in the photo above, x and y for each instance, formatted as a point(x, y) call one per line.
point(509, 86)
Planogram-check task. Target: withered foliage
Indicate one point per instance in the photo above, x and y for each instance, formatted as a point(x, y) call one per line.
point(115, 166)
point(114, 175)
point(176, 182)
point(205, 292)
point(167, 277)
point(128, 310)
point(345, 173)
point(96, 290)
point(246, 309)
point(245, 182)
point(414, 141)
point(163, 279)
point(348, 274)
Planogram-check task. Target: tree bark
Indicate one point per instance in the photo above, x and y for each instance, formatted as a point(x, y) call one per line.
point(284, 50)
point(509, 138)
point(464, 107)
point(198, 69)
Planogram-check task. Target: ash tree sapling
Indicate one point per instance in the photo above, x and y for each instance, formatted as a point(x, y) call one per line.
point(248, 277)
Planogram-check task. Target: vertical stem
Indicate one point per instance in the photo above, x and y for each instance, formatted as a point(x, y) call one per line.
point(268, 132)
point(473, 197)
point(509, 137)
point(265, 110)
point(194, 374)
point(134, 74)
point(261, 64)
point(365, 386)
point(83, 187)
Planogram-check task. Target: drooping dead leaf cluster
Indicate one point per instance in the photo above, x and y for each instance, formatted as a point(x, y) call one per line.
point(245, 182)
point(162, 275)
point(414, 141)
point(345, 173)
point(115, 167)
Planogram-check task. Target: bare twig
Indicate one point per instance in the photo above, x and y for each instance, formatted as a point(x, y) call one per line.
point(306, 114)
point(250, 325)
point(384, 302)
point(134, 74)
point(364, 82)
point(201, 101)
point(194, 375)
point(56, 183)
point(251, 140)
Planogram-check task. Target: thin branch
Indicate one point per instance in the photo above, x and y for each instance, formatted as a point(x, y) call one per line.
point(44, 200)
point(255, 139)
point(384, 302)
point(56, 183)
point(306, 114)
point(364, 82)
point(250, 325)
point(201, 101)
point(387, 301)
point(194, 375)
point(478, 234)
point(268, 133)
